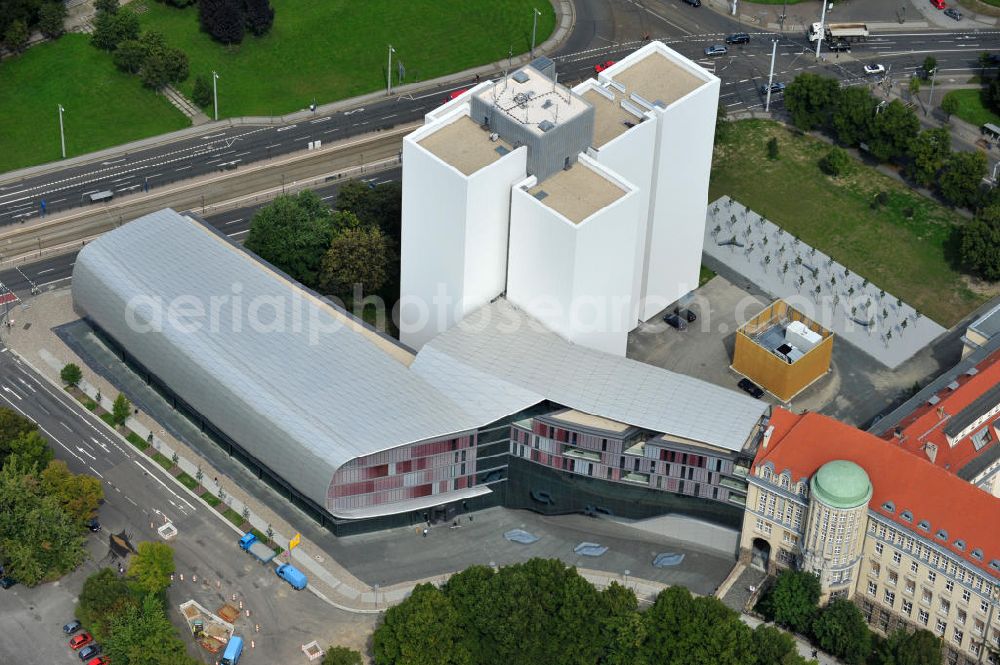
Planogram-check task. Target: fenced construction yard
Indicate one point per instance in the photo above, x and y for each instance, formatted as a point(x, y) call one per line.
point(906, 244)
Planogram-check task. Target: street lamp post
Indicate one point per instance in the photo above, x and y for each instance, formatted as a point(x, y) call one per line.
point(215, 93)
point(62, 134)
point(388, 72)
point(534, 28)
point(770, 77)
point(930, 98)
point(822, 28)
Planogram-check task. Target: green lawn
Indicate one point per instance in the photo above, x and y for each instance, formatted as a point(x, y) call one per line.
point(104, 107)
point(333, 49)
point(904, 247)
point(971, 109)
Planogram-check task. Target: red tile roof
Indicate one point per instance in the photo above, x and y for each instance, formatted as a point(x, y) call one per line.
point(803, 443)
point(927, 423)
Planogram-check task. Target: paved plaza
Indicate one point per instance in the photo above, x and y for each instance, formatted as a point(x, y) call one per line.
point(781, 265)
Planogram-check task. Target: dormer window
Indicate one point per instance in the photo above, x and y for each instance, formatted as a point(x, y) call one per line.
point(889, 507)
point(924, 525)
point(906, 515)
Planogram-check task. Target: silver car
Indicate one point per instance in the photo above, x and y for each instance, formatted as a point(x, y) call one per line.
point(716, 49)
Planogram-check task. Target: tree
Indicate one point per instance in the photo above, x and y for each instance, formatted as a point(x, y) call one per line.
point(293, 233)
point(260, 16)
point(893, 130)
point(104, 595)
point(841, 630)
point(223, 20)
point(928, 153)
point(773, 646)
point(163, 65)
point(358, 256)
point(980, 243)
point(31, 449)
point(130, 55)
point(71, 374)
point(682, 629)
point(810, 99)
point(914, 86)
point(52, 19)
point(985, 60)
point(792, 601)
point(79, 494)
point(930, 64)
point(141, 634)
point(12, 426)
point(341, 656)
point(16, 36)
point(106, 6)
point(961, 177)
point(920, 647)
point(836, 162)
point(152, 567)
point(949, 105)
point(202, 94)
point(111, 29)
point(852, 115)
point(380, 206)
point(121, 409)
point(421, 631)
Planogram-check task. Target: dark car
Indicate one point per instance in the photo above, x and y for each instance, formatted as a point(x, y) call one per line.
point(93, 524)
point(776, 87)
point(693, 3)
point(738, 38)
point(7, 582)
point(951, 12)
point(751, 388)
point(71, 627)
point(675, 321)
point(841, 45)
point(89, 651)
point(686, 314)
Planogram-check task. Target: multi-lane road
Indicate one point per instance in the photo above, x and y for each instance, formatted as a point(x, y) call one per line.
point(602, 31)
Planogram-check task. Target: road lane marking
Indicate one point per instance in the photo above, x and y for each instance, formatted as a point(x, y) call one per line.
point(132, 502)
point(234, 221)
point(285, 129)
point(13, 393)
point(238, 233)
point(96, 472)
point(42, 272)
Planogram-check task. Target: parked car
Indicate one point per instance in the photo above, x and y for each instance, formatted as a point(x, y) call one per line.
point(938, 4)
point(100, 660)
point(738, 38)
point(872, 70)
point(693, 3)
point(775, 87)
point(7, 582)
point(601, 66)
point(951, 12)
point(751, 388)
point(80, 640)
point(675, 321)
point(93, 524)
point(716, 49)
point(686, 314)
point(88, 652)
point(455, 94)
point(71, 627)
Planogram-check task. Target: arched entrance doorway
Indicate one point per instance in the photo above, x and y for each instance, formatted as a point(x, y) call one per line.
point(760, 553)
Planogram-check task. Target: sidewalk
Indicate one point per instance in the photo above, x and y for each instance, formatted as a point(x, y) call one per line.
point(41, 348)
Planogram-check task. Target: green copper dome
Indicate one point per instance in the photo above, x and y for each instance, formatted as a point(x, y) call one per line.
point(841, 484)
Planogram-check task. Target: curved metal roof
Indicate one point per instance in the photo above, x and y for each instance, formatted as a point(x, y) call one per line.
point(304, 389)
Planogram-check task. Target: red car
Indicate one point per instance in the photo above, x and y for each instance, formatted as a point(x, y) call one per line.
point(80, 640)
point(938, 4)
point(600, 67)
point(100, 660)
point(457, 93)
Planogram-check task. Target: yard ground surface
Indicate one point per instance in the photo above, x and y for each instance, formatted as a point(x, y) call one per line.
point(335, 49)
point(104, 107)
point(971, 109)
point(905, 246)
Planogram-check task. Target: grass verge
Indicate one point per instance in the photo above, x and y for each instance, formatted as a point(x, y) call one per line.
point(187, 480)
point(104, 107)
point(163, 461)
point(137, 441)
point(233, 517)
point(971, 108)
point(335, 49)
point(109, 419)
point(705, 275)
point(906, 247)
point(211, 499)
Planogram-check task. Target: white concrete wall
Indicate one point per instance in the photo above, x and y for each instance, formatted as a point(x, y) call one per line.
point(604, 278)
point(487, 216)
point(631, 155)
point(541, 260)
point(685, 136)
point(432, 247)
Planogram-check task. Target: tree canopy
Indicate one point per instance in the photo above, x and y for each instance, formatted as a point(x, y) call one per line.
point(357, 256)
point(840, 629)
point(341, 656)
point(293, 232)
point(810, 99)
point(792, 600)
point(152, 567)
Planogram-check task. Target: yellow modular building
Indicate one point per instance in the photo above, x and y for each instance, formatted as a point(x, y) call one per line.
point(782, 351)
